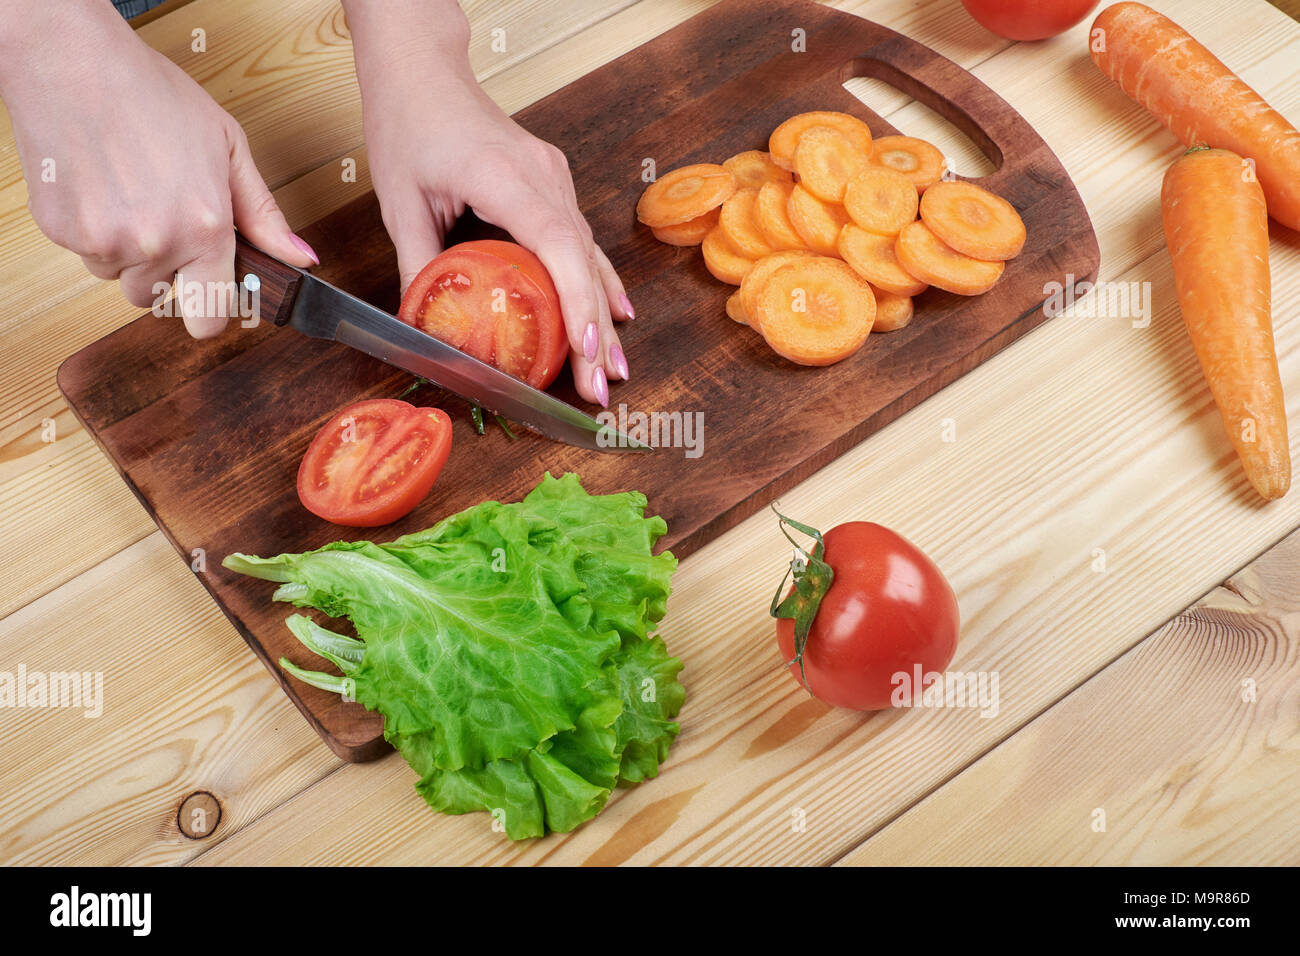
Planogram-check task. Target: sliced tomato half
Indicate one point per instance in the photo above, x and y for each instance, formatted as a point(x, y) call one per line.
point(374, 462)
point(495, 301)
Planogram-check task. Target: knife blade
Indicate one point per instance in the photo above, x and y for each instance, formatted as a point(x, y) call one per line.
point(289, 296)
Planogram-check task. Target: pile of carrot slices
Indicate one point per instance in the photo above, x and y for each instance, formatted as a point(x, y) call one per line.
point(829, 234)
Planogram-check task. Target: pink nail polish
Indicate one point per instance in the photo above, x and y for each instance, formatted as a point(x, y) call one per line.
point(619, 361)
point(590, 342)
point(600, 386)
point(627, 306)
point(305, 249)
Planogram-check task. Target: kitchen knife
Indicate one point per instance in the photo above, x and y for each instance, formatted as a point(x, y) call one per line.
point(289, 296)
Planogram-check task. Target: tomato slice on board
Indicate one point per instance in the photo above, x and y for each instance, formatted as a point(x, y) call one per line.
point(373, 462)
point(495, 301)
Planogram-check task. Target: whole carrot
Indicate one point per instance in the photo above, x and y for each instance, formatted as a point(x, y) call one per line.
point(1158, 64)
point(1216, 227)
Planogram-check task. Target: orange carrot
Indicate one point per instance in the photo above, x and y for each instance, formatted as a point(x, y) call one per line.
point(735, 310)
point(721, 258)
point(826, 160)
point(785, 138)
point(772, 212)
point(973, 220)
point(753, 168)
point(739, 224)
point(1216, 227)
point(817, 223)
point(893, 312)
point(872, 256)
point(688, 233)
point(815, 311)
point(755, 277)
point(927, 257)
point(919, 161)
point(684, 194)
point(881, 200)
point(1158, 64)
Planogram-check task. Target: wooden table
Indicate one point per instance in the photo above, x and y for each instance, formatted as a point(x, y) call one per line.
point(1077, 489)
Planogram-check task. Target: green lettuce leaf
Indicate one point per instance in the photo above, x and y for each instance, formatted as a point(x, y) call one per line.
point(509, 648)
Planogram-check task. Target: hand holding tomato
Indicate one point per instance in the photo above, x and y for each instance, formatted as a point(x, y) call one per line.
point(438, 144)
point(866, 605)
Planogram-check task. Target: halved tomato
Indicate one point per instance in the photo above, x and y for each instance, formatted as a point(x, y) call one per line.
point(374, 462)
point(496, 301)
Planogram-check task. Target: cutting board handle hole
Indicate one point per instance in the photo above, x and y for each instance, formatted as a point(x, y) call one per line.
point(915, 110)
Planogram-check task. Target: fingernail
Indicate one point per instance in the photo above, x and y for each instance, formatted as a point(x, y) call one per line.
point(305, 249)
point(619, 361)
point(590, 342)
point(627, 306)
point(600, 386)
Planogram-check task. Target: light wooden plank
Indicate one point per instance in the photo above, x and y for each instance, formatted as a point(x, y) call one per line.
point(193, 710)
point(1185, 751)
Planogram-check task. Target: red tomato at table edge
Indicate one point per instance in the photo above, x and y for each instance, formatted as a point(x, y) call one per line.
point(399, 448)
point(888, 609)
point(1029, 19)
point(479, 297)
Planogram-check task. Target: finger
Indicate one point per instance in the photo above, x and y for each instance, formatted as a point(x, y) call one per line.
point(610, 351)
point(554, 237)
point(102, 268)
point(206, 289)
point(582, 302)
point(146, 285)
point(257, 215)
point(615, 295)
point(619, 305)
point(415, 234)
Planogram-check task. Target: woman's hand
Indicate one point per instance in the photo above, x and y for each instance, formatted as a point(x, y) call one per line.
point(438, 144)
point(129, 163)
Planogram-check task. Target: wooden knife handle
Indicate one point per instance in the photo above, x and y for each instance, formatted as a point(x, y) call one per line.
point(274, 283)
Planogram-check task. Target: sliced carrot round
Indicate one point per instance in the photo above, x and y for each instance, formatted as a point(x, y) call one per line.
point(973, 220)
point(881, 200)
point(753, 168)
point(772, 212)
point(826, 160)
point(817, 223)
point(735, 310)
point(721, 258)
point(871, 255)
point(763, 268)
point(688, 233)
point(892, 311)
point(739, 222)
point(815, 311)
point(927, 257)
point(683, 194)
point(921, 162)
point(785, 138)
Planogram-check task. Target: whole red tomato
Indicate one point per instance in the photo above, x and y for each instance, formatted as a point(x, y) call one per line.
point(1029, 19)
point(887, 609)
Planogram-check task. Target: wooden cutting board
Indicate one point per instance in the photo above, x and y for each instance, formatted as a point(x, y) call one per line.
point(209, 434)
